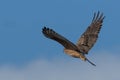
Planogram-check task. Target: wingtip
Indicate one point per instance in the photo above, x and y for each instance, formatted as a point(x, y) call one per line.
point(45, 28)
point(98, 16)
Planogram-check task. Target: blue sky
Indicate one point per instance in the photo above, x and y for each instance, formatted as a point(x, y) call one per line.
point(21, 22)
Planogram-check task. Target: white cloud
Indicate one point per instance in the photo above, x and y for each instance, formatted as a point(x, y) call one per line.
point(107, 69)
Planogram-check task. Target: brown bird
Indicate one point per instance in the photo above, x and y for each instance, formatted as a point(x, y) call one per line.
point(84, 44)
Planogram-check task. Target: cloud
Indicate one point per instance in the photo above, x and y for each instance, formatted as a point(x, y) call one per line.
point(60, 69)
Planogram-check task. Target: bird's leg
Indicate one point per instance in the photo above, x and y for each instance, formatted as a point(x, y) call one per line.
point(90, 62)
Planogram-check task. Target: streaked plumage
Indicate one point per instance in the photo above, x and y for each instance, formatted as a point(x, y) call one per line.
point(84, 44)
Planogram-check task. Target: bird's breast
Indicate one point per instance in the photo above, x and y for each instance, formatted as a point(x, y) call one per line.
point(74, 53)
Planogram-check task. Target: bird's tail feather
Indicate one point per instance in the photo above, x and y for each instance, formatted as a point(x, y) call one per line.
point(90, 62)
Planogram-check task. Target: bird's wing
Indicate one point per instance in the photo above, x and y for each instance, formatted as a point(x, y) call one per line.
point(89, 37)
point(49, 33)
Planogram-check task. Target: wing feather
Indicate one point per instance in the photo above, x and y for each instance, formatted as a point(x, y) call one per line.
point(49, 33)
point(89, 37)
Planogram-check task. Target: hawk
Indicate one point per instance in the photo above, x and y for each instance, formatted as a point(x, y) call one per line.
point(84, 44)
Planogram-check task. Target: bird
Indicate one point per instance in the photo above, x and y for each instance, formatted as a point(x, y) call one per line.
point(84, 43)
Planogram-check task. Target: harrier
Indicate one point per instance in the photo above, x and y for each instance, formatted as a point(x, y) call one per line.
point(84, 44)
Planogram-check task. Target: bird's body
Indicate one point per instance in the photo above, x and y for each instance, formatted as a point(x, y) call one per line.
point(84, 44)
point(75, 54)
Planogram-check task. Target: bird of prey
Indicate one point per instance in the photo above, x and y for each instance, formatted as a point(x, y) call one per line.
point(84, 44)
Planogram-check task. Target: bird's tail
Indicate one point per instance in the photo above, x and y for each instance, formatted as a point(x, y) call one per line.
point(90, 62)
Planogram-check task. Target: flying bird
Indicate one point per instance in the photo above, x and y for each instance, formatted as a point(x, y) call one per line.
point(84, 44)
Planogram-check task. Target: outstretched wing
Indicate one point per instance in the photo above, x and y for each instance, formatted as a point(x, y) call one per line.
point(49, 33)
point(89, 37)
